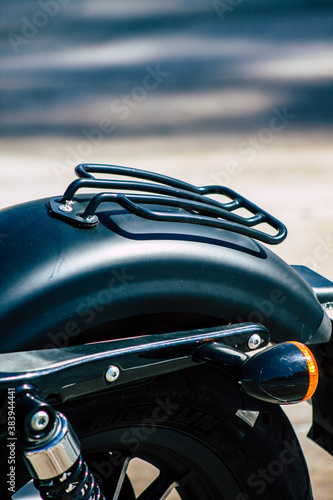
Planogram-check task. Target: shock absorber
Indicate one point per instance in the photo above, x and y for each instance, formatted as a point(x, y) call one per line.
point(52, 451)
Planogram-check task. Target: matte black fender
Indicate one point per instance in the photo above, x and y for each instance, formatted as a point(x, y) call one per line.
point(59, 281)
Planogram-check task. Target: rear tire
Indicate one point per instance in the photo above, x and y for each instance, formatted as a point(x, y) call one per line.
point(205, 438)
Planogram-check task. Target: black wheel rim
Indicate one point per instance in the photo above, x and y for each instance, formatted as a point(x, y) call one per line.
point(184, 465)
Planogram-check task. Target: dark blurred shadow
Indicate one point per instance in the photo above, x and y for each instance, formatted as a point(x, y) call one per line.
point(63, 69)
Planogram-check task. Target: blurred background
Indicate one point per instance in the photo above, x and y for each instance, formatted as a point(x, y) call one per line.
point(236, 92)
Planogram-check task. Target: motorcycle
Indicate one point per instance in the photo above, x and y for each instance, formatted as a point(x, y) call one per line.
point(148, 320)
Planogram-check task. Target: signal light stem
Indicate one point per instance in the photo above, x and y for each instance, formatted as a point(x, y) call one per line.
point(221, 355)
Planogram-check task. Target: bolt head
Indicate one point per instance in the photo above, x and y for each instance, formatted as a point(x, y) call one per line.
point(254, 341)
point(65, 208)
point(112, 373)
point(39, 420)
point(91, 219)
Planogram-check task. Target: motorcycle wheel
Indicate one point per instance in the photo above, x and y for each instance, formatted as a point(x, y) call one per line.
point(204, 439)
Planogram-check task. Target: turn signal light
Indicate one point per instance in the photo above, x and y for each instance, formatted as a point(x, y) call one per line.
point(283, 374)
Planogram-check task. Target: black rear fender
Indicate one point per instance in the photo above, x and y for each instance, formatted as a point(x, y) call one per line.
point(59, 282)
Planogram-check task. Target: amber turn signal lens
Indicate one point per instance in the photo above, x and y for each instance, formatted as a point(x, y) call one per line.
point(312, 367)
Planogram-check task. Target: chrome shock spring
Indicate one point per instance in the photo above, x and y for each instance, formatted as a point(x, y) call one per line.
point(77, 483)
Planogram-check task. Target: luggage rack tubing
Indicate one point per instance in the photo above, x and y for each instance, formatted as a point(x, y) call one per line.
point(163, 191)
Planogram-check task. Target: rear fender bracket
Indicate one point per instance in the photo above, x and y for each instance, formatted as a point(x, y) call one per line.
point(71, 372)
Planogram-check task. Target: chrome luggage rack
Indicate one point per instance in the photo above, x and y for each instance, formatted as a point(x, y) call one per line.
point(191, 203)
